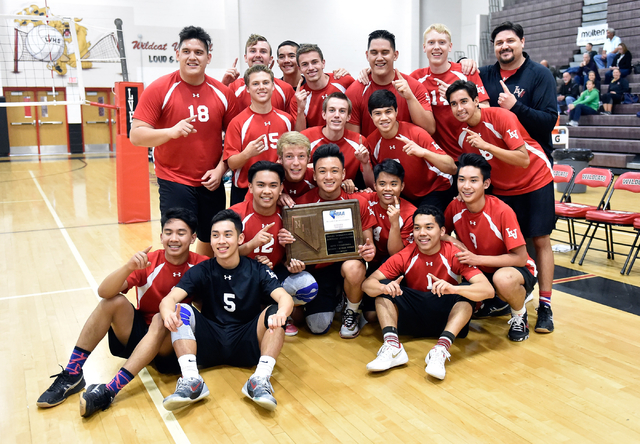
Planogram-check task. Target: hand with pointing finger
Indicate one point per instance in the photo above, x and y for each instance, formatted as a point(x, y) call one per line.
point(256, 147)
point(140, 260)
point(440, 287)
point(393, 288)
point(361, 153)
point(301, 97)
point(442, 88)
point(393, 211)
point(475, 140)
point(367, 251)
point(410, 147)
point(231, 74)
point(506, 100)
point(173, 321)
point(403, 86)
point(263, 236)
point(183, 128)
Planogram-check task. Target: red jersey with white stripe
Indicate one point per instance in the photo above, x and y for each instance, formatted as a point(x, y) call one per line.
point(383, 226)
point(283, 97)
point(169, 100)
point(313, 107)
point(500, 127)
point(490, 232)
point(420, 177)
point(348, 145)
point(252, 223)
point(248, 126)
point(366, 214)
point(416, 266)
point(297, 189)
point(154, 282)
point(446, 122)
point(359, 95)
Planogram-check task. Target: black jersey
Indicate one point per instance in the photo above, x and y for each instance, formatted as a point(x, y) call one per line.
point(230, 296)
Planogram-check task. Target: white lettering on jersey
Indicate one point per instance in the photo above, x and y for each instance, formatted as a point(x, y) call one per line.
point(512, 233)
point(227, 277)
point(177, 274)
point(267, 123)
point(376, 233)
point(429, 264)
point(472, 236)
point(392, 147)
point(196, 95)
point(203, 113)
point(486, 154)
point(272, 274)
point(472, 222)
point(229, 305)
point(518, 92)
point(513, 134)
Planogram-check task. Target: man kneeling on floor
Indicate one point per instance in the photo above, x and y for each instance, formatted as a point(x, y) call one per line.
point(230, 329)
point(417, 294)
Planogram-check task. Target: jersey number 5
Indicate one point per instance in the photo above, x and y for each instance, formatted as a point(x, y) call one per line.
point(203, 113)
point(229, 304)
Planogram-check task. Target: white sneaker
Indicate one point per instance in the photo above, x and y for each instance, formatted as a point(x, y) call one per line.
point(388, 356)
point(435, 361)
point(350, 324)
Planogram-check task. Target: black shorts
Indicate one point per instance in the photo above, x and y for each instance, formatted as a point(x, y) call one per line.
point(204, 203)
point(535, 211)
point(235, 345)
point(330, 284)
point(237, 194)
point(139, 328)
point(424, 314)
point(530, 280)
point(369, 303)
point(439, 199)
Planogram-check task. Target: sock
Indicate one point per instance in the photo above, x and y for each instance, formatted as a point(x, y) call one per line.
point(265, 367)
point(77, 360)
point(545, 298)
point(520, 312)
point(188, 366)
point(390, 336)
point(355, 306)
point(122, 378)
point(446, 339)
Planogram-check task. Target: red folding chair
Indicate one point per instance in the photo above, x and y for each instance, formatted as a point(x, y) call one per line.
point(565, 174)
point(609, 218)
point(634, 246)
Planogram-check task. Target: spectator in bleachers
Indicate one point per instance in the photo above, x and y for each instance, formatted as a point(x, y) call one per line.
point(590, 50)
point(609, 50)
point(585, 66)
point(617, 88)
point(568, 92)
point(588, 103)
point(595, 77)
point(622, 62)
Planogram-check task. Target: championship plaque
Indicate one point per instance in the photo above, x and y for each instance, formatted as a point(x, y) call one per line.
point(324, 232)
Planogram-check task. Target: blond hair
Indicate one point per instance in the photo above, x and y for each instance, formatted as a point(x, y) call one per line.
point(253, 40)
point(439, 28)
point(293, 138)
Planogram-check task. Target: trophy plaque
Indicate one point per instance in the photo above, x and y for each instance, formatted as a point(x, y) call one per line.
point(324, 232)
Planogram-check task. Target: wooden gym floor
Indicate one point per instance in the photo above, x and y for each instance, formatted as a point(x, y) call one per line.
point(61, 237)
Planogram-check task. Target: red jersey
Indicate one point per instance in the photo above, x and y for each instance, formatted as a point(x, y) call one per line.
point(154, 282)
point(416, 266)
point(446, 122)
point(297, 189)
point(500, 127)
point(420, 177)
point(283, 97)
point(252, 223)
point(313, 107)
point(359, 95)
point(366, 214)
point(169, 100)
point(348, 145)
point(248, 126)
point(383, 226)
point(490, 232)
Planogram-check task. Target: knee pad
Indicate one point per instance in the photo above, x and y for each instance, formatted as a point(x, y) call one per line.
point(301, 286)
point(319, 323)
point(188, 327)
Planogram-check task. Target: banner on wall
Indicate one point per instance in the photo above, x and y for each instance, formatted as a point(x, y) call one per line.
point(594, 34)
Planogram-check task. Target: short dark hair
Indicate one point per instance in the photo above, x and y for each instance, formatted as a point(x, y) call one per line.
point(467, 85)
point(184, 214)
point(229, 215)
point(382, 98)
point(265, 165)
point(477, 161)
point(389, 166)
point(195, 32)
point(337, 95)
point(382, 34)
point(507, 26)
point(327, 150)
point(308, 47)
point(254, 69)
point(287, 43)
point(430, 210)
point(589, 44)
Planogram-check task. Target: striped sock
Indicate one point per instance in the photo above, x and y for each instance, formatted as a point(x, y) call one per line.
point(77, 360)
point(545, 298)
point(390, 336)
point(122, 378)
point(446, 339)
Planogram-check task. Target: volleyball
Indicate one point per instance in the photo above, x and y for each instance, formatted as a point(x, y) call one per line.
point(45, 43)
point(301, 286)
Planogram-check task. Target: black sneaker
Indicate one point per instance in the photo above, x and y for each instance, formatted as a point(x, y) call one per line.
point(519, 328)
point(491, 308)
point(97, 397)
point(544, 324)
point(65, 385)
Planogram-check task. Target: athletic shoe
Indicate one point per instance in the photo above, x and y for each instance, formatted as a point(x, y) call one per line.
point(350, 324)
point(388, 356)
point(290, 329)
point(519, 328)
point(544, 324)
point(435, 361)
point(572, 123)
point(260, 391)
point(97, 397)
point(491, 308)
point(64, 385)
point(188, 391)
